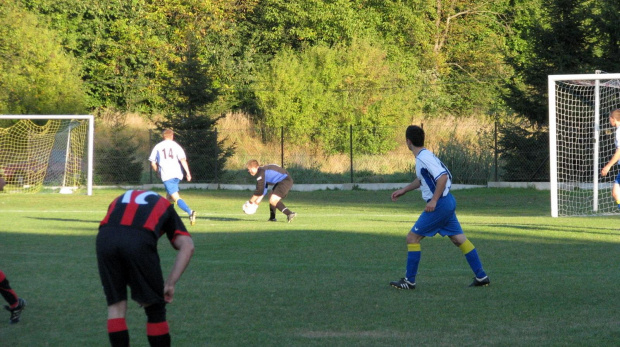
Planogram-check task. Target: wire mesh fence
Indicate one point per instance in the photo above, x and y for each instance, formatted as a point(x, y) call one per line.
point(475, 154)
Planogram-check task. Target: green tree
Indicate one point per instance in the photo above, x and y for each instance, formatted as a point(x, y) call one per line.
point(318, 93)
point(194, 128)
point(36, 75)
point(129, 48)
point(551, 37)
point(117, 155)
point(451, 52)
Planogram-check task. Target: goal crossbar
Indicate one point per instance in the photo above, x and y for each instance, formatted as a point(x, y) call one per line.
point(90, 137)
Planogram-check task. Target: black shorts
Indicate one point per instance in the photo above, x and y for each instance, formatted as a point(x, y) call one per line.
point(281, 188)
point(128, 257)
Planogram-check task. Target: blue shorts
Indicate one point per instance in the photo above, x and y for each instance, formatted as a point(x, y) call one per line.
point(172, 185)
point(617, 179)
point(443, 220)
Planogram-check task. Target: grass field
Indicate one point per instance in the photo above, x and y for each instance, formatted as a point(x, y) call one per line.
point(322, 280)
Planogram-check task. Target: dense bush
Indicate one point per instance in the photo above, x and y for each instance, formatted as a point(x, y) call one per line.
point(524, 153)
point(36, 75)
point(118, 161)
point(469, 161)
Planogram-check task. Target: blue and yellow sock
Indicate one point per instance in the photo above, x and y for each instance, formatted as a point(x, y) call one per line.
point(184, 206)
point(473, 259)
point(414, 253)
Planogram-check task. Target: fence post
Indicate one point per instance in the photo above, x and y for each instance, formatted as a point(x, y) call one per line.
point(217, 157)
point(496, 150)
point(351, 149)
point(150, 147)
point(282, 146)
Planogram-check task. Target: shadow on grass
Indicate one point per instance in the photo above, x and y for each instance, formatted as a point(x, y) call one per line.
point(608, 231)
point(308, 286)
point(66, 220)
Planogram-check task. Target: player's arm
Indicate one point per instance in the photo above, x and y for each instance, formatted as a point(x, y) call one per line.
point(188, 175)
point(440, 186)
point(260, 190)
point(611, 163)
point(153, 159)
point(411, 186)
point(256, 199)
point(154, 166)
point(185, 246)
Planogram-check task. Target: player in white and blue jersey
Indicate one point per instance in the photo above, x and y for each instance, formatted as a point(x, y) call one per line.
point(279, 179)
point(614, 120)
point(434, 181)
point(167, 158)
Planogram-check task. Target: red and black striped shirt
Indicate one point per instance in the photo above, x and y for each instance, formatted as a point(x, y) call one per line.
point(145, 210)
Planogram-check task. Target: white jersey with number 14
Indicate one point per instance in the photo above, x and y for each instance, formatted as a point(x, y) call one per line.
point(167, 155)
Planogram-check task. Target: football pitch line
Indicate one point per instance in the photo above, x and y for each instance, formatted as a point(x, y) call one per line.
point(240, 214)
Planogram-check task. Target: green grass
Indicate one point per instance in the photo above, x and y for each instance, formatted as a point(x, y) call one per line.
point(323, 279)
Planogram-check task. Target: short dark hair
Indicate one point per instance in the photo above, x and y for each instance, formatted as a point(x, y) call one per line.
point(415, 134)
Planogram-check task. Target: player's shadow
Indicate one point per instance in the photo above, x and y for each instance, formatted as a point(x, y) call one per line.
point(220, 219)
point(543, 227)
point(66, 220)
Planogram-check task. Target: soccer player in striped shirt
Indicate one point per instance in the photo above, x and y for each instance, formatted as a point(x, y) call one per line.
point(281, 181)
point(127, 256)
point(438, 217)
point(167, 158)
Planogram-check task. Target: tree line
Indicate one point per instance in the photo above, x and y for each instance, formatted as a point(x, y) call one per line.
point(300, 64)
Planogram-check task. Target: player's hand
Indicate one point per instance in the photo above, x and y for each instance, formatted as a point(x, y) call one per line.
point(604, 171)
point(397, 194)
point(430, 206)
point(168, 293)
point(188, 176)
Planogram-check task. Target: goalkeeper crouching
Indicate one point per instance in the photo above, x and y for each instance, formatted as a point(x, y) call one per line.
point(281, 182)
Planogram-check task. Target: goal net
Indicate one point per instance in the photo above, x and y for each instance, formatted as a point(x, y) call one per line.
point(46, 152)
point(581, 142)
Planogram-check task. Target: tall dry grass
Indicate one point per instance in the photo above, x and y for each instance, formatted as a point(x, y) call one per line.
point(459, 138)
point(265, 145)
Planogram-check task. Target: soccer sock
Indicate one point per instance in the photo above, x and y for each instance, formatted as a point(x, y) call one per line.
point(414, 253)
point(9, 294)
point(272, 212)
point(280, 206)
point(118, 333)
point(473, 259)
point(157, 330)
point(158, 334)
point(184, 206)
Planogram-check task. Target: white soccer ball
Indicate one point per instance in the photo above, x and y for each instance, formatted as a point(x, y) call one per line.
point(249, 208)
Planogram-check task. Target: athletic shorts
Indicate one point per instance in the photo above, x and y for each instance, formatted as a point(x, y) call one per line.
point(281, 188)
point(443, 220)
point(172, 185)
point(128, 257)
point(617, 179)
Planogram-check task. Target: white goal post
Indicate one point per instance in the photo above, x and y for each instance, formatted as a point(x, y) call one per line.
point(581, 142)
point(36, 151)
